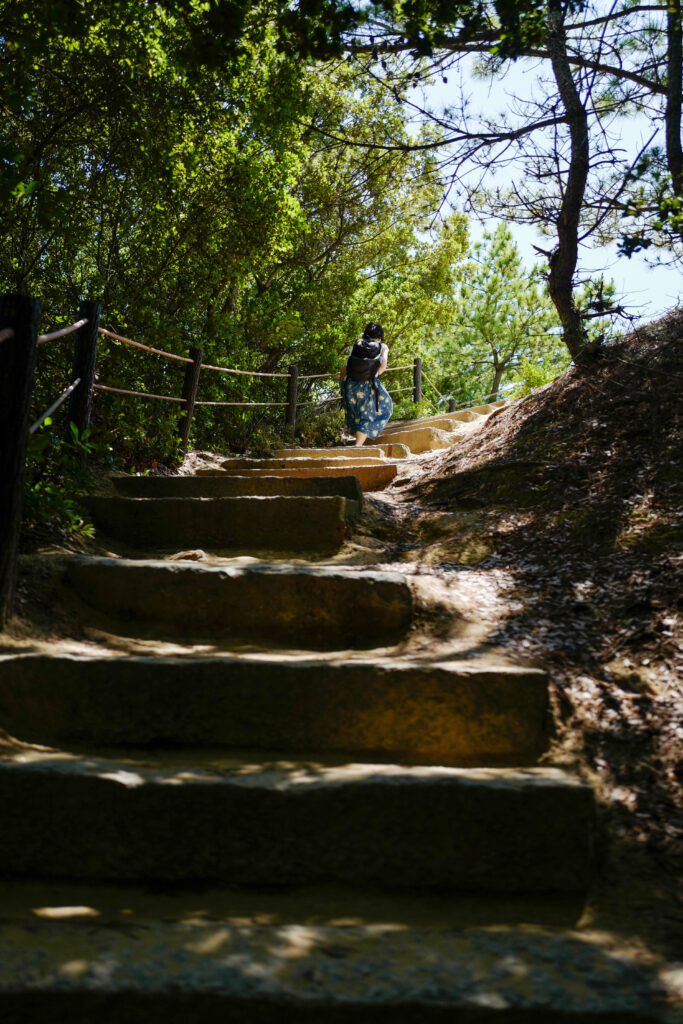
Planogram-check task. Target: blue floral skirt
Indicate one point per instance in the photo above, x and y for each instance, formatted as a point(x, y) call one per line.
point(362, 411)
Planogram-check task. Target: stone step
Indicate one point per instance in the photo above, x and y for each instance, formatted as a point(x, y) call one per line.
point(449, 714)
point(367, 451)
point(446, 421)
point(423, 439)
point(393, 451)
point(312, 607)
point(475, 412)
point(484, 410)
point(181, 816)
point(114, 954)
point(333, 461)
point(371, 477)
point(221, 485)
point(275, 523)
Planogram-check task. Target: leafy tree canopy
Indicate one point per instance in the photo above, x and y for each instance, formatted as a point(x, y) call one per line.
point(210, 208)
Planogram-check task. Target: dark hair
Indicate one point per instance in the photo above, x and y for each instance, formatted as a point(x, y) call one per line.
point(373, 330)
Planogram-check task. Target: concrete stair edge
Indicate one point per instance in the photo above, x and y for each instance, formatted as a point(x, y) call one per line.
point(222, 484)
point(446, 713)
point(208, 956)
point(318, 607)
point(312, 523)
point(283, 823)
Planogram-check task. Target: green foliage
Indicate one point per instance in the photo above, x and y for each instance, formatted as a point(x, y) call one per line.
point(653, 212)
point(214, 210)
point(503, 316)
point(321, 429)
point(406, 409)
point(531, 375)
point(597, 301)
point(321, 28)
point(55, 472)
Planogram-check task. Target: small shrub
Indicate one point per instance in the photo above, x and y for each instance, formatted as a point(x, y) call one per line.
point(55, 474)
point(406, 409)
point(321, 429)
point(531, 376)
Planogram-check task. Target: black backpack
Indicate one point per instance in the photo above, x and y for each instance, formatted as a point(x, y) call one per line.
point(365, 360)
point(363, 364)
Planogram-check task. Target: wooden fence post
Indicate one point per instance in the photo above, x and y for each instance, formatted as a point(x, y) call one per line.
point(451, 405)
point(417, 379)
point(85, 358)
point(190, 388)
point(290, 415)
point(17, 369)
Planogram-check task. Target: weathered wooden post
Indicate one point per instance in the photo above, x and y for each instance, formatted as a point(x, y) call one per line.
point(84, 361)
point(190, 388)
point(18, 314)
point(290, 415)
point(451, 405)
point(417, 379)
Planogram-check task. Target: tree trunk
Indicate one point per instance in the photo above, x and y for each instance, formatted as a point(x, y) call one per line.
point(499, 366)
point(564, 258)
point(498, 372)
point(674, 62)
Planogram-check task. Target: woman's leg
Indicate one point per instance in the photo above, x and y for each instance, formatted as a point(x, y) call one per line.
point(360, 438)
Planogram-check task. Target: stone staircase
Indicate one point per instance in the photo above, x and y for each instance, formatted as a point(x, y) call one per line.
point(284, 819)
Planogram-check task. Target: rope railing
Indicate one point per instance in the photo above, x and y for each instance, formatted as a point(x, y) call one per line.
point(194, 365)
point(245, 373)
point(211, 366)
point(473, 401)
point(19, 317)
point(137, 394)
point(246, 403)
point(320, 376)
point(145, 348)
point(55, 405)
point(42, 338)
point(432, 385)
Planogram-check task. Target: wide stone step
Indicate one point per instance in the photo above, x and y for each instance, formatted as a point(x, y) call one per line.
point(279, 822)
point(445, 421)
point(311, 524)
point(450, 713)
point(370, 476)
point(390, 451)
point(348, 452)
point(332, 461)
point(476, 412)
point(221, 485)
point(423, 439)
point(393, 451)
point(312, 607)
point(114, 954)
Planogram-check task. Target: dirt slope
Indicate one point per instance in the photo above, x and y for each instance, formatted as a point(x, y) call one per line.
point(577, 489)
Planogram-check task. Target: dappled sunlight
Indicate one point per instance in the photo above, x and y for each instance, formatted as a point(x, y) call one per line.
point(329, 937)
point(75, 969)
point(177, 767)
point(64, 913)
point(128, 779)
point(480, 967)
